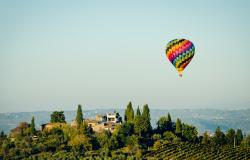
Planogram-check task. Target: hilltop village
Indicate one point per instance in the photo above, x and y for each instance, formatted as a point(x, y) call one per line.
point(105, 122)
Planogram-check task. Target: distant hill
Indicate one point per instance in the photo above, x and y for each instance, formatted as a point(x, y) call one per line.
point(203, 119)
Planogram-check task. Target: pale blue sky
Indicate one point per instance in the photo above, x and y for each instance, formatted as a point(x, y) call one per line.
point(56, 54)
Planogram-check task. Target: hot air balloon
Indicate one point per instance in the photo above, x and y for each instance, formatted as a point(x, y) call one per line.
point(180, 52)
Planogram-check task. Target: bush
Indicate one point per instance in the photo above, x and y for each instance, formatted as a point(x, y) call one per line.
point(169, 136)
point(157, 144)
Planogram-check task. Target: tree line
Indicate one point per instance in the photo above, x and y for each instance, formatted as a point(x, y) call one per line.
point(133, 137)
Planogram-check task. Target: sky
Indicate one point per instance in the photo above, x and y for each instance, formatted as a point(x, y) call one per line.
point(103, 54)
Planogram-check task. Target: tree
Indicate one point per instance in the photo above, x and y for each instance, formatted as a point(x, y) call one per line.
point(189, 133)
point(238, 136)
point(126, 129)
point(129, 113)
point(107, 141)
point(146, 112)
point(169, 118)
point(205, 139)
point(79, 116)
point(141, 126)
point(164, 124)
point(85, 129)
point(57, 117)
point(169, 136)
point(80, 143)
point(246, 141)
point(146, 116)
point(230, 136)
point(5, 147)
point(157, 145)
point(138, 112)
point(219, 137)
point(123, 132)
point(169, 123)
point(178, 129)
point(156, 136)
point(2, 135)
point(32, 126)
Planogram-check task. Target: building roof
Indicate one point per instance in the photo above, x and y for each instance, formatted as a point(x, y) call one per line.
point(91, 121)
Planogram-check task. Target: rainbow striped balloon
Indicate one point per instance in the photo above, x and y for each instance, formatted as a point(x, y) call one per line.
point(180, 52)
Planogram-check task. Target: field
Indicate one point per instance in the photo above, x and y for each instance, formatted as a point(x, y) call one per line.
point(182, 151)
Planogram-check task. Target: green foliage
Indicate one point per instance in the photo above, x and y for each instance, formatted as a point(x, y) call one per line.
point(85, 129)
point(5, 147)
point(205, 139)
point(157, 144)
point(32, 126)
point(169, 136)
point(146, 113)
point(107, 141)
point(189, 133)
point(145, 127)
point(164, 124)
point(133, 139)
point(230, 136)
point(126, 129)
point(2, 135)
point(176, 140)
point(57, 117)
point(238, 136)
point(178, 129)
point(156, 137)
point(165, 150)
point(129, 113)
point(123, 133)
point(138, 112)
point(219, 137)
point(141, 126)
point(55, 140)
point(79, 116)
point(246, 141)
point(169, 118)
point(80, 143)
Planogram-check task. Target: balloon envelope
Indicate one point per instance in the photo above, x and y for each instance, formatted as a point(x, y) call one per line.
point(180, 52)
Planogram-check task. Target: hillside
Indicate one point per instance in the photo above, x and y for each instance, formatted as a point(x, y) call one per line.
point(203, 119)
point(107, 137)
point(197, 151)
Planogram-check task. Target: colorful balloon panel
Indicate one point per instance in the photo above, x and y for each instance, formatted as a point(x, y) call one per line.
point(180, 52)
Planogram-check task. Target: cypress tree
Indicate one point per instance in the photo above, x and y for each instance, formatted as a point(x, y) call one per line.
point(132, 114)
point(146, 116)
point(2, 135)
point(178, 129)
point(138, 112)
point(129, 113)
point(79, 116)
point(230, 136)
point(239, 136)
point(205, 139)
point(146, 112)
point(169, 118)
point(169, 123)
point(32, 126)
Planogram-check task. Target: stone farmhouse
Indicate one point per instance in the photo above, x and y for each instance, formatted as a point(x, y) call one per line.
point(107, 122)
